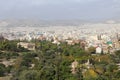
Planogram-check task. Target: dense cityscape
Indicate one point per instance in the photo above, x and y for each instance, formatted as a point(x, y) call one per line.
point(100, 35)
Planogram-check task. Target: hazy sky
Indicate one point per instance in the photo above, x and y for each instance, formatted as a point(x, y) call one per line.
point(60, 9)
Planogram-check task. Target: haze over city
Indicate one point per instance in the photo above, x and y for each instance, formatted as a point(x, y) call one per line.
point(89, 10)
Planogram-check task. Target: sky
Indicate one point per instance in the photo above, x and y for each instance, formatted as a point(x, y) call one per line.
point(60, 9)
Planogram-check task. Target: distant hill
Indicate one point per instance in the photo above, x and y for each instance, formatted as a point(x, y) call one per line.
point(39, 23)
point(44, 23)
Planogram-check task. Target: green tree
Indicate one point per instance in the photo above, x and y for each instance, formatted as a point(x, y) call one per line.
point(2, 70)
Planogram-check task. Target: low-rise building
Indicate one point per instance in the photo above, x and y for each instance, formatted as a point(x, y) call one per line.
point(99, 50)
point(29, 46)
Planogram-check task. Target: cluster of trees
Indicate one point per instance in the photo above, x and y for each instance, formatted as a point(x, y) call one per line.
point(11, 46)
point(8, 45)
point(53, 62)
point(5, 70)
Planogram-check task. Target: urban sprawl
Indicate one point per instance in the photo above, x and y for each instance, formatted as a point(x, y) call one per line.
point(103, 36)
